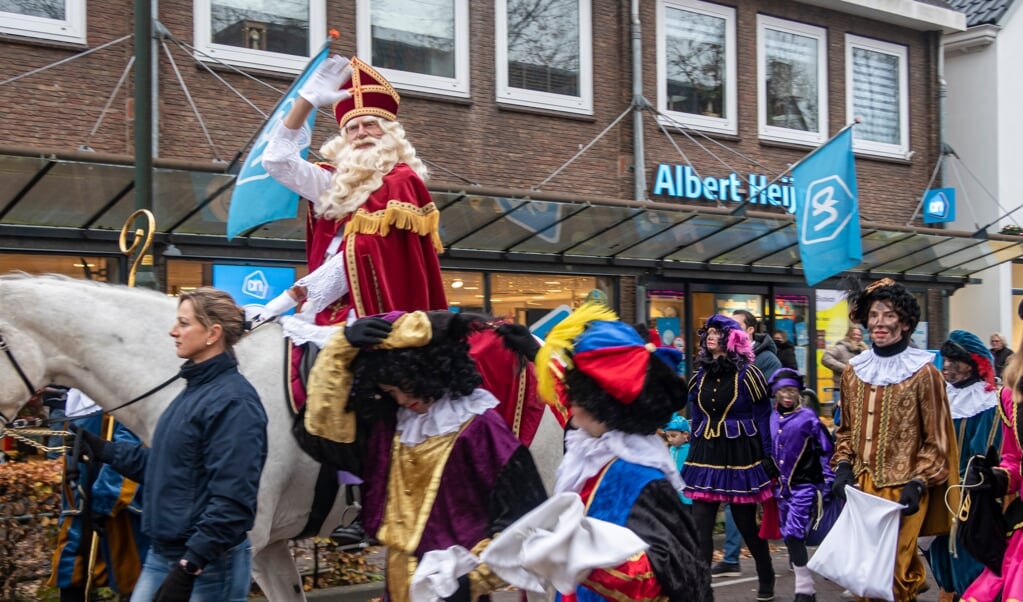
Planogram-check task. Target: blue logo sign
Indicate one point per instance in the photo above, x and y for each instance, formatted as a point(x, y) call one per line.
point(831, 208)
point(252, 286)
point(940, 205)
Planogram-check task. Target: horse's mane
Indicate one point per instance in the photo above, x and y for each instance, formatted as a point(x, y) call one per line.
point(19, 276)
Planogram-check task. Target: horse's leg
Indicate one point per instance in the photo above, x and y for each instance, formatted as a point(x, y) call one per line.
point(548, 448)
point(275, 571)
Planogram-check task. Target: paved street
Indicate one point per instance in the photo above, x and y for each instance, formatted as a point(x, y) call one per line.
point(731, 589)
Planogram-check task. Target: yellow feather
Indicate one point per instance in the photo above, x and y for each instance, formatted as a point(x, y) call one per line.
point(558, 346)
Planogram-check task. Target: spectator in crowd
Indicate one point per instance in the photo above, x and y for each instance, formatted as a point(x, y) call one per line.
point(678, 432)
point(786, 350)
point(1000, 352)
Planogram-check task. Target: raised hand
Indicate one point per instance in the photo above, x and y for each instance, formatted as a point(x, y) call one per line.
point(322, 89)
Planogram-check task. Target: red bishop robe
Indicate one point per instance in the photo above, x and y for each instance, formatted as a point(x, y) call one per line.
point(390, 247)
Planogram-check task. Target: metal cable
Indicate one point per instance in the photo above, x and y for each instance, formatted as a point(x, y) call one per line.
point(448, 171)
point(110, 101)
point(683, 154)
point(585, 148)
point(934, 174)
point(66, 60)
point(685, 127)
point(191, 102)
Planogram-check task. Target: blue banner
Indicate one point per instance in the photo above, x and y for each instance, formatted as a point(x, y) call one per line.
point(257, 198)
point(827, 210)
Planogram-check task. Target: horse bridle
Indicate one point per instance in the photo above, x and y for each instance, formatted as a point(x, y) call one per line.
point(4, 421)
point(32, 392)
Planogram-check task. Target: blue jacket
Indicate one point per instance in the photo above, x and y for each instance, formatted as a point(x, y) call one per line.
point(202, 473)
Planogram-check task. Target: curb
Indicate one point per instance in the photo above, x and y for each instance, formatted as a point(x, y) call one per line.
point(344, 593)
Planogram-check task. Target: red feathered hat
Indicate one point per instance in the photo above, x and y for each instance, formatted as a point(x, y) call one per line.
point(371, 94)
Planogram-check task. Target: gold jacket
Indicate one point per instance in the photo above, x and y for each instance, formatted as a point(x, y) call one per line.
point(897, 432)
point(902, 432)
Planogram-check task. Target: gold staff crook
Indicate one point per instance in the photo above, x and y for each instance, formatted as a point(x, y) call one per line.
point(108, 421)
point(143, 253)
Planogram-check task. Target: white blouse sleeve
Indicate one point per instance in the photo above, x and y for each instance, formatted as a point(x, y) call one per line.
point(282, 159)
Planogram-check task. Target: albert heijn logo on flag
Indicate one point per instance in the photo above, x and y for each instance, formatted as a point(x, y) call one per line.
point(827, 210)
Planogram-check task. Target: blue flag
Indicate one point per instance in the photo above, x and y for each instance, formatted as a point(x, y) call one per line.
point(257, 198)
point(827, 210)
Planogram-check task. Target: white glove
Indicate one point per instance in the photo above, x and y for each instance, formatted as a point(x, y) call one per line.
point(322, 89)
point(437, 575)
point(277, 306)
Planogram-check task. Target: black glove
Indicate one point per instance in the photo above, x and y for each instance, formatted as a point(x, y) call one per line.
point(97, 522)
point(518, 338)
point(910, 497)
point(92, 446)
point(843, 477)
point(771, 468)
point(176, 587)
point(366, 332)
point(982, 476)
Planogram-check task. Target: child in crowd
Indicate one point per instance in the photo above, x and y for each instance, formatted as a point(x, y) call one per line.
point(677, 433)
point(802, 448)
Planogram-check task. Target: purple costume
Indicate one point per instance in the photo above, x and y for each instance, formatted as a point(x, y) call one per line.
point(802, 449)
point(731, 435)
point(487, 481)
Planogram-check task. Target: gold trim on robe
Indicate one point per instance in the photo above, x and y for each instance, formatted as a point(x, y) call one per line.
point(411, 492)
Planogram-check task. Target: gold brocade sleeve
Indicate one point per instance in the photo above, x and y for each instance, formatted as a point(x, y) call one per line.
point(483, 581)
point(844, 449)
point(937, 435)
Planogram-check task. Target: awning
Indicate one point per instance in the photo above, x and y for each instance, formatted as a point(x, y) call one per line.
point(90, 192)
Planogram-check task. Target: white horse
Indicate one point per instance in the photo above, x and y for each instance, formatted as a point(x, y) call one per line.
point(111, 342)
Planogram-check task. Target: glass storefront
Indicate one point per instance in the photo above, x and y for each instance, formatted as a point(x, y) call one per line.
point(101, 269)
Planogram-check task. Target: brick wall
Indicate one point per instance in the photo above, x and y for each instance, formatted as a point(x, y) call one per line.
point(480, 140)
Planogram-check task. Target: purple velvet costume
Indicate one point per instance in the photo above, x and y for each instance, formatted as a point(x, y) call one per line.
point(731, 435)
point(802, 449)
point(488, 482)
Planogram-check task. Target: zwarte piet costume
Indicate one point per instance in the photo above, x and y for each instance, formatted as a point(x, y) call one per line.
point(975, 417)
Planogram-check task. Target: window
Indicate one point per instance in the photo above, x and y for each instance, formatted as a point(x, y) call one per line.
point(59, 20)
point(793, 81)
point(877, 89)
point(275, 36)
point(544, 54)
point(696, 64)
point(418, 45)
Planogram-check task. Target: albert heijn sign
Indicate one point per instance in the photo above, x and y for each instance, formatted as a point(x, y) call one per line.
point(682, 182)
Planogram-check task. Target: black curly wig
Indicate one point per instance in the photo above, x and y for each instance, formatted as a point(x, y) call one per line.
point(443, 367)
point(903, 302)
point(663, 394)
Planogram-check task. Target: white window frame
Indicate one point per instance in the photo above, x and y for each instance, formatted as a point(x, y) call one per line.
point(582, 104)
point(457, 86)
point(209, 52)
point(70, 29)
point(721, 125)
point(780, 134)
point(881, 149)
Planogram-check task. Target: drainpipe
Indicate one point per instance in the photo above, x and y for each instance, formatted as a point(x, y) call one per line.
point(638, 104)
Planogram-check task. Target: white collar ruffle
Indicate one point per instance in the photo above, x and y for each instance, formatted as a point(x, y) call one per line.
point(873, 369)
point(585, 456)
point(970, 401)
point(444, 417)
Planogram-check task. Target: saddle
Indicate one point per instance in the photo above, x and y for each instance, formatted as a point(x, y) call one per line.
point(506, 374)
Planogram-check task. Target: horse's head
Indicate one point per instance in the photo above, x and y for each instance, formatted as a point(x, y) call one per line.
point(22, 369)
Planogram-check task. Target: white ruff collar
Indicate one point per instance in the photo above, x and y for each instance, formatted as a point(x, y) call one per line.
point(970, 401)
point(585, 456)
point(445, 416)
point(873, 369)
